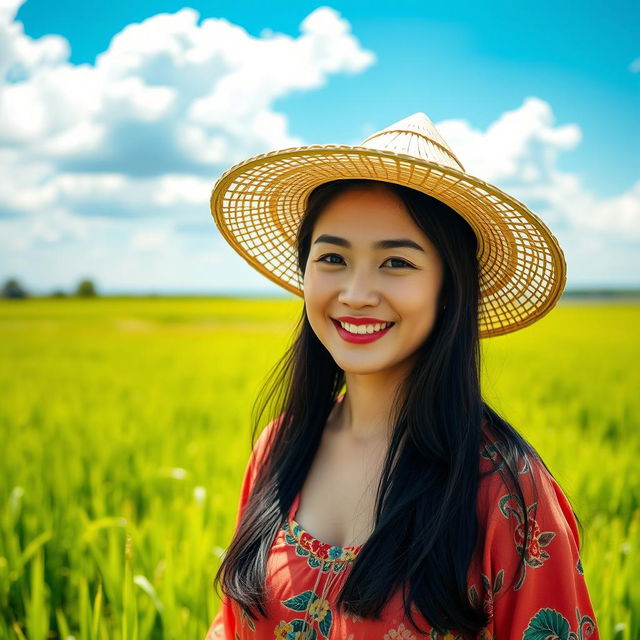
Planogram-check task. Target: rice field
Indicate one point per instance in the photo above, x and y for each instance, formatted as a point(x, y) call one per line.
point(124, 431)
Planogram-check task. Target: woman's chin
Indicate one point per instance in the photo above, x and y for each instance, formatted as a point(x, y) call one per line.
point(362, 365)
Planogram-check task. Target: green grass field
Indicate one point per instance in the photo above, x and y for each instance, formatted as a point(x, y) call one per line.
point(125, 429)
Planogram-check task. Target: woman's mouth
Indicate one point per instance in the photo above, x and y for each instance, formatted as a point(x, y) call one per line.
point(363, 333)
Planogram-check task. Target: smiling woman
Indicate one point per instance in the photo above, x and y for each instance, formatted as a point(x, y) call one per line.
point(386, 498)
point(396, 280)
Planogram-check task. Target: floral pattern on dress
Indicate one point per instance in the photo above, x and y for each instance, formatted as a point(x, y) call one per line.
point(490, 591)
point(324, 558)
point(535, 555)
point(494, 452)
point(319, 555)
point(549, 623)
point(319, 611)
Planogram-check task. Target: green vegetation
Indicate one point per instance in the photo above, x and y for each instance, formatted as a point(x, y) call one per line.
point(124, 426)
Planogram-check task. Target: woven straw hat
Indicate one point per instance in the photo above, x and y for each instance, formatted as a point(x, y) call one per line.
point(257, 205)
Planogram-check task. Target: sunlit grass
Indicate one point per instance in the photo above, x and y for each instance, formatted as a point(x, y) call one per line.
point(125, 430)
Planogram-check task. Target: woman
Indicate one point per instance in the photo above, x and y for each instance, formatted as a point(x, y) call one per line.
point(387, 499)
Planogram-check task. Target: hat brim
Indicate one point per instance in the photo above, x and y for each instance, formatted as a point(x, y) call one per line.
point(257, 205)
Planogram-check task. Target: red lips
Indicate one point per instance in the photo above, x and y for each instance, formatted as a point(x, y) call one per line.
point(357, 338)
point(361, 320)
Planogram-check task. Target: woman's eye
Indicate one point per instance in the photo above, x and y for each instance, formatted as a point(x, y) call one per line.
point(404, 262)
point(329, 255)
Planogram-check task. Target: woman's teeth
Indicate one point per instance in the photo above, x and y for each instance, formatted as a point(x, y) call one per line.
point(364, 328)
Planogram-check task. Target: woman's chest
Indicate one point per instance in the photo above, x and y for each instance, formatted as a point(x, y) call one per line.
point(337, 500)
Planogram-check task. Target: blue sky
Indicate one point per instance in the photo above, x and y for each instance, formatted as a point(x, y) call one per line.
point(112, 134)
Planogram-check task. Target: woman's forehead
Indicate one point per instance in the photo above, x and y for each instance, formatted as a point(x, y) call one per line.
point(364, 211)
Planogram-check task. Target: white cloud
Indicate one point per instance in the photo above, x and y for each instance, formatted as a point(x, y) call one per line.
point(90, 153)
point(518, 153)
point(175, 190)
point(169, 95)
point(522, 144)
point(19, 54)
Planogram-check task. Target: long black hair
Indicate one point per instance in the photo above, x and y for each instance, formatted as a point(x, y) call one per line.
point(426, 525)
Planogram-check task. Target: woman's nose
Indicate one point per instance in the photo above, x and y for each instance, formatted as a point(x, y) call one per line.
point(360, 289)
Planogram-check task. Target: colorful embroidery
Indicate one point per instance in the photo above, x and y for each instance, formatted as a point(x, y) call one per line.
point(319, 612)
point(494, 451)
point(535, 556)
point(489, 590)
point(319, 555)
point(549, 623)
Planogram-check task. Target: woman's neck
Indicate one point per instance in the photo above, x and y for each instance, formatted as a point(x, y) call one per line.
point(364, 413)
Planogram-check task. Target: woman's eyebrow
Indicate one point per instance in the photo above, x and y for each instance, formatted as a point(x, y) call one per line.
point(381, 244)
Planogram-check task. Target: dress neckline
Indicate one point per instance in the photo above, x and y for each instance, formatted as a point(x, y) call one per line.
point(332, 550)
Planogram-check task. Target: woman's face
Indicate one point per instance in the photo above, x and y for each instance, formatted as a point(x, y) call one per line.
point(350, 273)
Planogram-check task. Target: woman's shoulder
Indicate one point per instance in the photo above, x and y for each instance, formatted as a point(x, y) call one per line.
point(265, 439)
point(528, 563)
point(499, 457)
point(502, 465)
point(547, 512)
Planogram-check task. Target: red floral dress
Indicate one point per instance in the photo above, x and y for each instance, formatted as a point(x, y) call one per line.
point(548, 600)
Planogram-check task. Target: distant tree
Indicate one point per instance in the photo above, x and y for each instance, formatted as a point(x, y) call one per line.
point(58, 293)
point(13, 289)
point(86, 289)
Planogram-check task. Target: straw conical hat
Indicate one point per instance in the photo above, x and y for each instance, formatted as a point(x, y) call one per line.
point(257, 205)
